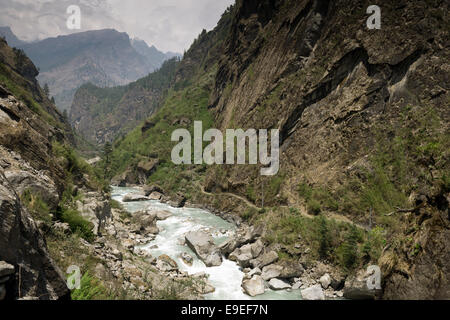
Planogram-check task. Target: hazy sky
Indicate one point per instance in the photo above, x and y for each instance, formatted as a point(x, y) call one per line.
point(170, 25)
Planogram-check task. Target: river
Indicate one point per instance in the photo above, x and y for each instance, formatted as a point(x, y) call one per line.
point(227, 277)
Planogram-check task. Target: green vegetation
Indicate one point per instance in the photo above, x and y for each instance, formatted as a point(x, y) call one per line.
point(90, 289)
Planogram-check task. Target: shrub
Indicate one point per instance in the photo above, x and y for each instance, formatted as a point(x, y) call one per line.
point(314, 207)
point(77, 223)
point(90, 289)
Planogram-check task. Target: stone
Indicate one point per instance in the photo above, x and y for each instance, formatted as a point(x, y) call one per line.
point(155, 196)
point(163, 215)
point(271, 271)
point(253, 272)
point(133, 197)
point(166, 263)
point(296, 285)
point(355, 287)
point(187, 258)
point(202, 244)
point(264, 260)
point(313, 293)
point(254, 286)
point(325, 281)
point(62, 227)
point(277, 284)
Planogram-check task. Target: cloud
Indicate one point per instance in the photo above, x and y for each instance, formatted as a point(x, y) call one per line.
point(170, 25)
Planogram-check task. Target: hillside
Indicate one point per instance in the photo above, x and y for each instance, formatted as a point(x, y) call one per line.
point(102, 114)
point(364, 123)
point(104, 58)
point(55, 209)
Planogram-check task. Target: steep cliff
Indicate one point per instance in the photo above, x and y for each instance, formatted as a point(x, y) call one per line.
point(364, 132)
point(29, 124)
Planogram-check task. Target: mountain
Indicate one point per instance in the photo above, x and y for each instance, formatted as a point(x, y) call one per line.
point(104, 58)
point(101, 114)
point(10, 37)
point(152, 54)
point(364, 133)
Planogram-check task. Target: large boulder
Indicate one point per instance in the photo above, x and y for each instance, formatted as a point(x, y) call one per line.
point(325, 281)
point(253, 286)
point(271, 271)
point(313, 293)
point(264, 260)
point(277, 284)
point(134, 197)
point(26, 251)
point(202, 244)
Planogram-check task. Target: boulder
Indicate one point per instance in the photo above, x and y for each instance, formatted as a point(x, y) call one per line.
point(253, 272)
point(264, 260)
point(313, 293)
point(134, 197)
point(187, 259)
point(148, 190)
point(166, 263)
point(271, 271)
point(325, 281)
point(253, 286)
point(277, 284)
point(155, 196)
point(203, 245)
point(163, 215)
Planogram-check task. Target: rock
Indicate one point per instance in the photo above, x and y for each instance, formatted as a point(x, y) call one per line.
point(177, 201)
point(228, 246)
point(203, 245)
point(26, 245)
point(187, 259)
point(133, 197)
point(6, 269)
point(163, 215)
point(271, 271)
point(296, 285)
point(148, 190)
point(204, 287)
point(62, 227)
point(166, 263)
point(257, 248)
point(264, 260)
point(277, 284)
point(356, 287)
point(254, 286)
point(155, 196)
point(100, 271)
point(253, 272)
point(338, 284)
point(325, 281)
point(313, 293)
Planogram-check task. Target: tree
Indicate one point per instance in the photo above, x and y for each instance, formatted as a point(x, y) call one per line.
point(324, 238)
point(350, 248)
point(107, 151)
point(46, 90)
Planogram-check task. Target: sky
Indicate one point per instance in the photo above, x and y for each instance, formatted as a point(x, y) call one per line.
point(170, 25)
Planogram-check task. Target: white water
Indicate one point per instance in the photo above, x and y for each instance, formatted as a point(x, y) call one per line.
point(227, 277)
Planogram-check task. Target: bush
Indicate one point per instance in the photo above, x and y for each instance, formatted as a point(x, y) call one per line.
point(324, 238)
point(77, 223)
point(90, 289)
point(314, 207)
point(349, 249)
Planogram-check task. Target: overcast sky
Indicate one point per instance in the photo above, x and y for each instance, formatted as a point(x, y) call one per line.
point(170, 25)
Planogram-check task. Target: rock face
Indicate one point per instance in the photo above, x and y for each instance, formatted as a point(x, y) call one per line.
point(203, 245)
point(313, 293)
point(26, 251)
point(254, 286)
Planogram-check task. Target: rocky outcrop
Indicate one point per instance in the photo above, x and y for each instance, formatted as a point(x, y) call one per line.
point(35, 273)
point(203, 245)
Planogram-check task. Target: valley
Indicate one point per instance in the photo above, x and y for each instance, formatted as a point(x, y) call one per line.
point(361, 178)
